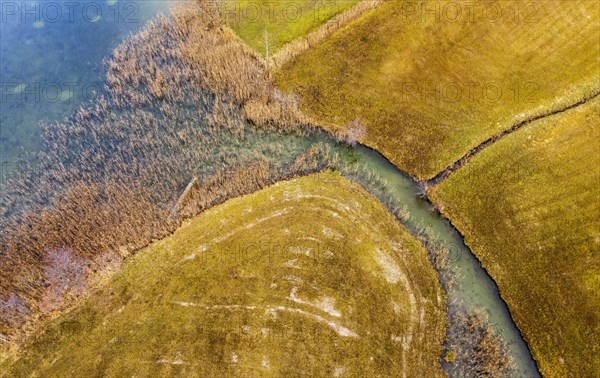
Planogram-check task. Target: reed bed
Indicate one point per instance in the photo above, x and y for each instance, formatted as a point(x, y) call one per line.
point(178, 103)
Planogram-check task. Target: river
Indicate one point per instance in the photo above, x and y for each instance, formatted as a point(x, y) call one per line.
point(473, 288)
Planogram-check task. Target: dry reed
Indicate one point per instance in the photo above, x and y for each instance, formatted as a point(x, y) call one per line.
point(176, 106)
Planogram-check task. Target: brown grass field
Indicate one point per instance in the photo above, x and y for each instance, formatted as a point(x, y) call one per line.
point(529, 207)
point(431, 84)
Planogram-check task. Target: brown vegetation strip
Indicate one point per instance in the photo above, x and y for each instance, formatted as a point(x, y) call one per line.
point(300, 45)
point(445, 173)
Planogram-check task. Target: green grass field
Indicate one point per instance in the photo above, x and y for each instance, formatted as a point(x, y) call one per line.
point(529, 207)
point(432, 84)
point(310, 276)
point(284, 20)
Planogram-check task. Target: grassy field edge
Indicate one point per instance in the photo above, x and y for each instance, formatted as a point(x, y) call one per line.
point(546, 273)
point(460, 163)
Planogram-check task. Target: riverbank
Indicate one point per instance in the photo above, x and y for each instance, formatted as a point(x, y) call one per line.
point(534, 196)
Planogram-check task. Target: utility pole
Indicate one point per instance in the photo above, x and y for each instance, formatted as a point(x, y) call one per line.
point(266, 42)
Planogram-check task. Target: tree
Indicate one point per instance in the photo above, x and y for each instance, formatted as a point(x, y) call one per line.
point(265, 41)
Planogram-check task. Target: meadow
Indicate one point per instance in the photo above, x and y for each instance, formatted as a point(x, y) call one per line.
point(431, 80)
point(312, 273)
point(529, 208)
point(278, 22)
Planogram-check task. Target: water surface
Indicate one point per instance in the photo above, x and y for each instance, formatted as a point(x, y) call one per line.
point(51, 55)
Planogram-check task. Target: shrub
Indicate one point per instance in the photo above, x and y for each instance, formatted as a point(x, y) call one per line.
point(479, 350)
point(352, 132)
point(64, 275)
point(13, 310)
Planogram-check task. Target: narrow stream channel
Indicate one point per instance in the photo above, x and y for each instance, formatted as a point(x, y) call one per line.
point(473, 286)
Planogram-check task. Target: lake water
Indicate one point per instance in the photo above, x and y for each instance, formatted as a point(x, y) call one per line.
point(51, 56)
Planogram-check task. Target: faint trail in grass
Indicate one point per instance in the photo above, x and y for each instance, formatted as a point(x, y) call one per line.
point(446, 172)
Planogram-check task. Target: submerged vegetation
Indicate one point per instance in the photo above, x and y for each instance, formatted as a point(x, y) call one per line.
point(49, 67)
point(108, 178)
point(309, 276)
point(534, 196)
point(474, 349)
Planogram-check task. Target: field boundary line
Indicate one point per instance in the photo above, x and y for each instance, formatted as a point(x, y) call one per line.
point(453, 167)
point(300, 45)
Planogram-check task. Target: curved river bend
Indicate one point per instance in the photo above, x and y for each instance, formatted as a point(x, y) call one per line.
point(473, 288)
